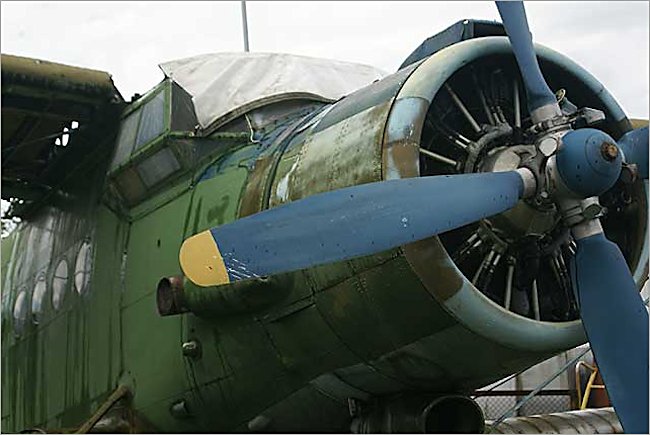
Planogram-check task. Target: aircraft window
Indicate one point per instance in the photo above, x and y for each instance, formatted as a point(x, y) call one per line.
point(20, 312)
point(158, 167)
point(82, 268)
point(126, 139)
point(38, 296)
point(59, 283)
point(152, 122)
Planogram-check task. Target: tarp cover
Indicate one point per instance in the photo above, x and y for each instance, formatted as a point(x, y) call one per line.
point(225, 85)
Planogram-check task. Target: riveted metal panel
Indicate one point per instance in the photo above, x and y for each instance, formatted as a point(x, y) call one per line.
point(258, 378)
point(153, 247)
point(372, 95)
point(306, 344)
point(387, 300)
point(366, 377)
point(343, 155)
point(439, 362)
point(301, 412)
point(149, 335)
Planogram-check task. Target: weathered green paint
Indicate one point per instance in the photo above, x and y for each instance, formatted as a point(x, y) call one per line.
point(292, 349)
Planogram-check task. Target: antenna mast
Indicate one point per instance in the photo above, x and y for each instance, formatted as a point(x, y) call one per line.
point(244, 20)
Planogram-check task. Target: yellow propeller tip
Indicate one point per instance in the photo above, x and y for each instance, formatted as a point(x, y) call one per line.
point(201, 261)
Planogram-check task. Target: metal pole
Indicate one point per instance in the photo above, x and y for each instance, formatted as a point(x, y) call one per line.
point(244, 20)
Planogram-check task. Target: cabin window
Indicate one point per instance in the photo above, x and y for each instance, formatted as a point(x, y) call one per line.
point(158, 167)
point(20, 312)
point(82, 268)
point(59, 284)
point(38, 296)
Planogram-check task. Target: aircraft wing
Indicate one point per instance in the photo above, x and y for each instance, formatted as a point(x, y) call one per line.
point(52, 115)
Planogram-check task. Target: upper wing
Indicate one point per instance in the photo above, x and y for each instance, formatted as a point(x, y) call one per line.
point(52, 116)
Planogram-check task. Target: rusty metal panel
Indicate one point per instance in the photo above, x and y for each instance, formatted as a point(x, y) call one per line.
point(252, 200)
point(402, 138)
point(279, 192)
point(343, 155)
point(256, 194)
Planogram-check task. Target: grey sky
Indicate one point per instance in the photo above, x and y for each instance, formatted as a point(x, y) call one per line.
point(129, 39)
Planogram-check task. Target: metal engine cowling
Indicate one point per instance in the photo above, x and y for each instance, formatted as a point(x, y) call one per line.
point(427, 316)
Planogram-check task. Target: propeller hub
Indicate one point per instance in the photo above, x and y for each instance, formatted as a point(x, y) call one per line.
point(589, 162)
point(527, 217)
point(609, 151)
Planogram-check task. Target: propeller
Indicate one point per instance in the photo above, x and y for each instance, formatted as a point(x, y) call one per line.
point(635, 147)
point(616, 323)
point(611, 308)
point(542, 104)
point(370, 218)
point(346, 223)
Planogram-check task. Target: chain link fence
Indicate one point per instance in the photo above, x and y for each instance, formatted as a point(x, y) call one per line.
point(496, 403)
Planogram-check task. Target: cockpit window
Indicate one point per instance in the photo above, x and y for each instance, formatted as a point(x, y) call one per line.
point(82, 268)
point(152, 120)
point(141, 126)
point(38, 296)
point(126, 139)
point(21, 307)
point(59, 284)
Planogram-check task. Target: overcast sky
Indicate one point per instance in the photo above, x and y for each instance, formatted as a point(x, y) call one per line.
point(129, 39)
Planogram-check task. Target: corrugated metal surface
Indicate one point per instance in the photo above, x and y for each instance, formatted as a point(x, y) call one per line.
point(602, 420)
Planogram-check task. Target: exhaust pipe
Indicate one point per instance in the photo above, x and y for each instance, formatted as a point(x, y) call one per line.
point(422, 414)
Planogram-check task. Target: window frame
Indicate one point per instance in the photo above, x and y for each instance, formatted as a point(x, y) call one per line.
point(89, 267)
point(19, 332)
point(165, 87)
point(65, 285)
point(37, 317)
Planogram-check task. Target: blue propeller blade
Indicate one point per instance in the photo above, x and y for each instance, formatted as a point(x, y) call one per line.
point(635, 147)
point(616, 322)
point(345, 223)
point(514, 20)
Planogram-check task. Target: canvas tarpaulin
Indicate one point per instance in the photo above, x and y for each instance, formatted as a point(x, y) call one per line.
point(226, 85)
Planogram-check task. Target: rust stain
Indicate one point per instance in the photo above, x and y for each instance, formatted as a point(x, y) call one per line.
point(344, 154)
point(252, 199)
point(430, 262)
point(401, 158)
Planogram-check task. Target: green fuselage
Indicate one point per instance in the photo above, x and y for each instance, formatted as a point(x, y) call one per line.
point(284, 356)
